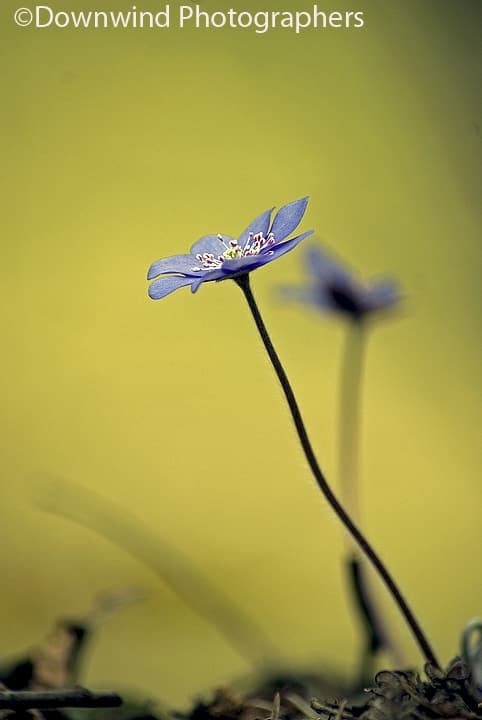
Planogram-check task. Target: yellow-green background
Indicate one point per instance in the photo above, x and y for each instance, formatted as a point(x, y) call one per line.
point(120, 147)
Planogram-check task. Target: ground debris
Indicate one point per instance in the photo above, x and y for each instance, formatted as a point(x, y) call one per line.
point(394, 695)
point(403, 695)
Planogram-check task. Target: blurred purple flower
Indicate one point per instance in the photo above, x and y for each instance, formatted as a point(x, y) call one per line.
point(332, 288)
point(219, 257)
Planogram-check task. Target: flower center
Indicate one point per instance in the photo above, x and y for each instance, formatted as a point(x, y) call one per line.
point(345, 300)
point(255, 245)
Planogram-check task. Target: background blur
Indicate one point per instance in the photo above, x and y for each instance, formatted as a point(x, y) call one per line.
point(121, 147)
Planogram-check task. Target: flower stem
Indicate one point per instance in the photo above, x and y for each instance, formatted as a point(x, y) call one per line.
point(244, 284)
point(349, 418)
point(369, 613)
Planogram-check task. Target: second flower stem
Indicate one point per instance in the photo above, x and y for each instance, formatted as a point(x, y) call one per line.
point(244, 283)
point(370, 615)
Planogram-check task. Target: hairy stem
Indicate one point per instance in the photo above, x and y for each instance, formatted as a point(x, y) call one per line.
point(244, 284)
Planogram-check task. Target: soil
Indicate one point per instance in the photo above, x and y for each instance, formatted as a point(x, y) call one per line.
point(394, 695)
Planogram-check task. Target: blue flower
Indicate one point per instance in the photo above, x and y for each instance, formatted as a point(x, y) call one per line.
point(332, 288)
point(219, 257)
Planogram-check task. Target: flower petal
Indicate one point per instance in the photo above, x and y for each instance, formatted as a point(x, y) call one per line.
point(166, 285)
point(207, 277)
point(285, 247)
point(249, 262)
point(323, 266)
point(294, 293)
point(211, 244)
point(288, 218)
point(259, 225)
point(175, 264)
point(309, 295)
point(383, 294)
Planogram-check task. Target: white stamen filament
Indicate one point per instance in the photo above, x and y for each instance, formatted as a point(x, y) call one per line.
point(255, 244)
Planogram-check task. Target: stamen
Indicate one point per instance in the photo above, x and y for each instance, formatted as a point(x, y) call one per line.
point(255, 245)
point(220, 237)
